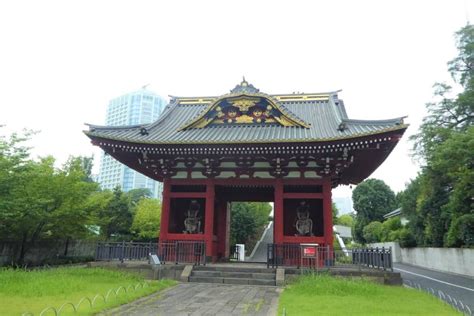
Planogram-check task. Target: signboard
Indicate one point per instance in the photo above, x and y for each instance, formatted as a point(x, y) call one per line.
point(309, 250)
point(154, 260)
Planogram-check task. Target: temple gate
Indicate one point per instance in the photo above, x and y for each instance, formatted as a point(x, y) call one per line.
point(290, 149)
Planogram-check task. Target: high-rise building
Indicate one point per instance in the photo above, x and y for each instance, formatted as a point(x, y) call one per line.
point(139, 107)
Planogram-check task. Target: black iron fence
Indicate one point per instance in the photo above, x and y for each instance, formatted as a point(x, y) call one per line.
point(379, 258)
point(124, 250)
point(183, 252)
point(318, 257)
point(169, 251)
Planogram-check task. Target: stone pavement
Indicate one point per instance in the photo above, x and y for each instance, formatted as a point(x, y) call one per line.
point(205, 299)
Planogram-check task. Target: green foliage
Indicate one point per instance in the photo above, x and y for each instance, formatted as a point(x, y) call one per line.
point(373, 232)
point(326, 295)
point(33, 290)
point(443, 190)
point(345, 220)
point(372, 199)
point(335, 212)
point(146, 221)
point(136, 195)
point(115, 219)
point(389, 227)
point(38, 200)
point(246, 220)
point(461, 232)
point(406, 238)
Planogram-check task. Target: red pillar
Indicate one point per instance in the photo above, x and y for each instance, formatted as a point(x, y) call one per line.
point(165, 210)
point(221, 213)
point(327, 212)
point(209, 220)
point(278, 213)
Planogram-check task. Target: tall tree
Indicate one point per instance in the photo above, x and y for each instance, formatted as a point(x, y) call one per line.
point(37, 200)
point(147, 218)
point(115, 219)
point(445, 143)
point(372, 199)
point(246, 219)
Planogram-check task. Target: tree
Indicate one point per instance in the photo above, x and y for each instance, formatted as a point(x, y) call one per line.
point(37, 200)
point(345, 220)
point(373, 232)
point(136, 195)
point(146, 221)
point(115, 219)
point(461, 232)
point(443, 190)
point(247, 218)
point(390, 229)
point(372, 199)
point(335, 212)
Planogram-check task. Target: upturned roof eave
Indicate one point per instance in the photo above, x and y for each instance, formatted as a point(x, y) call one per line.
point(94, 134)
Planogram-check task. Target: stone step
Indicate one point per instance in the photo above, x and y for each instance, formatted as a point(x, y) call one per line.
point(206, 279)
point(225, 274)
point(244, 281)
point(233, 269)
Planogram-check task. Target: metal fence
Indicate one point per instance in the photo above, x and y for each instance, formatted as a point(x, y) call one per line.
point(183, 252)
point(318, 257)
point(124, 250)
point(456, 303)
point(168, 251)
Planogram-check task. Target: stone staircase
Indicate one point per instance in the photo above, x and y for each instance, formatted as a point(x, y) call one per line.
point(233, 275)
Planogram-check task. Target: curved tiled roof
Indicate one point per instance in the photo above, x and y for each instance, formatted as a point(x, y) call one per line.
point(324, 114)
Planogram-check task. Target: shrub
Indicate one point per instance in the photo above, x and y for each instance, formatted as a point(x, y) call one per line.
point(390, 225)
point(461, 232)
point(345, 220)
point(407, 239)
point(60, 260)
point(372, 232)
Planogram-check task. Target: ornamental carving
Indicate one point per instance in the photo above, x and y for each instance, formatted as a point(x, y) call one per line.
point(245, 105)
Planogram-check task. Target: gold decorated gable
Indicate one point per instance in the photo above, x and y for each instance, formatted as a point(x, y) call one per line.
point(245, 105)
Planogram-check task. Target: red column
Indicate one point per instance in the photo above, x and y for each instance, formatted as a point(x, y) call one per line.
point(327, 211)
point(209, 220)
point(220, 214)
point(165, 210)
point(278, 213)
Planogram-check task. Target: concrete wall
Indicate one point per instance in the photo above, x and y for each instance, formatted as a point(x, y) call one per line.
point(45, 250)
point(452, 260)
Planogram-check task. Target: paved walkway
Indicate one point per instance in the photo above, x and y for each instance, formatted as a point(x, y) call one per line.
point(206, 299)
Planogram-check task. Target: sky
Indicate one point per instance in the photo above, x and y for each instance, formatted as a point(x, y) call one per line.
point(62, 61)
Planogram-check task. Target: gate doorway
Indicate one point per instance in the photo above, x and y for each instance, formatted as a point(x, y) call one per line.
point(242, 217)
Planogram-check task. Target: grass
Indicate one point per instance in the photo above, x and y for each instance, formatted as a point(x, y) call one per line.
point(32, 291)
point(325, 295)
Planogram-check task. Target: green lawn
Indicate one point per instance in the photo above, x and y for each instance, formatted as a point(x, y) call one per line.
point(325, 295)
point(32, 291)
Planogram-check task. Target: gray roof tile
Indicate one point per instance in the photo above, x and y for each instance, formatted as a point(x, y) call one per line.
point(324, 118)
